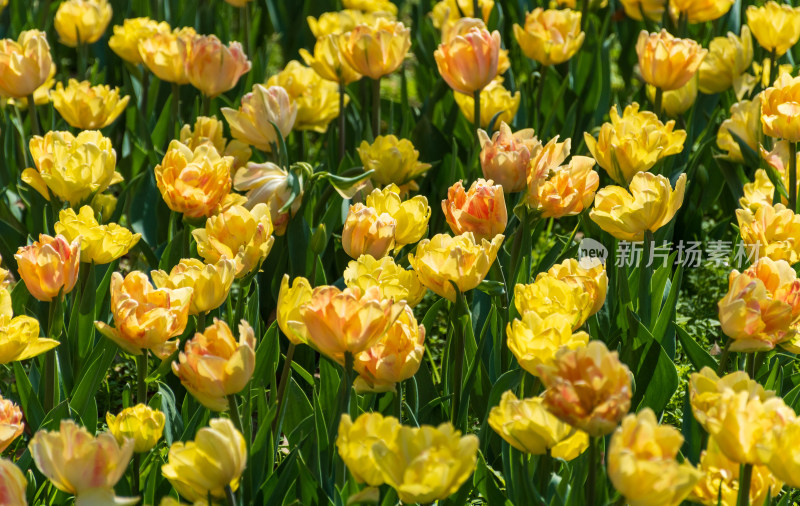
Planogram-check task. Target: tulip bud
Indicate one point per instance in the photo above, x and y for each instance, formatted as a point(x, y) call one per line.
point(140, 423)
point(266, 183)
point(443, 260)
point(25, 64)
point(194, 468)
point(100, 244)
point(668, 62)
point(212, 67)
point(481, 210)
point(550, 36)
point(49, 266)
point(506, 156)
point(214, 365)
point(82, 21)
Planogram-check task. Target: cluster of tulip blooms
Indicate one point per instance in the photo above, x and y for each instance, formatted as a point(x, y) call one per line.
point(282, 318)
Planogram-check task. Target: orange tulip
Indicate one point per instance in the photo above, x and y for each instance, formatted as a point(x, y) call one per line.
point(469, 62)
point(212, 67)
point(505, 156)
point(49, 266)
point(481, 210)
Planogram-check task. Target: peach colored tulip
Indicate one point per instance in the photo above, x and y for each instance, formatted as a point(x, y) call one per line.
point(49, 266)
point(481, 210)
point(469, 62)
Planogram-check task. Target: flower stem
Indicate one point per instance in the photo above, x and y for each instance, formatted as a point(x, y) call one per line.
point(539, 116)
point(285, 372)
point(458, 366)
point(398, 401)
point(342, 126)
point(141, 369)
point(658, 101)
point(50, 379)
point(201, 322)
point(229, 497)
point(173, 118)
point(205, 102)
point(745, 477)
point(591, 479)
point(644, 279)
point(234, 412)
point(793, 176)
point(34, 117)
point(544, 471)
point(476, 118)
point(376, 107)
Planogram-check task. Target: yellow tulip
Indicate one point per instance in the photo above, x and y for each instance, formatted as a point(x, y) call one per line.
point(100, 244)
point(446, 12)
point(210, 283)
point(252, 122)
point(212, 67)
point(779, 105)
point(745, 122)
point(700, 11)
point(642, 464)
point(74, 168)
point(527, 425)
point(356, 439)
point(41, 95)
point(534, 340)
point(376, 49)
point(505, 156)
point(727, 59)
point(468, 62)
point(125, 41)
point(633, 143)
point(327, 61)
point(481, 210)
point(145, 318)
point(267, 183)
point(194, 182)
point(393, 281)
point(76, 462)
point(394, 358)
point(339, 322)
point(668, 62)
point(785, 463)
point(290, 300)
point(425, 464)
point(164, 54)
point(103, 205)
point(557, 190)
point(588, 273)
point(706, 389)
point(588, 388)
point(653, 9)
point(676, 102)
point(11, 426)
point(49, 266)
point(393, 160)
point(494, 99)
point(25, 64)
point(82, 21)
point(141, 423)
point(550, 36)
point(549, 295)
point(368, 232)
point(209, 130)
point(651, 204)
point(317, 99)
point(338, 22)
point(411, 216)
point(443, 260)
point(761, 305)
point(371, 6)
point(719, 485)
point(214, 365)
point(758, 193)
point(771, 231)
point(245, 236)
point(19, 339)
point(15, 485)
point(215, 459)
point(776, 26)
point(88, 107)
point(572, 447)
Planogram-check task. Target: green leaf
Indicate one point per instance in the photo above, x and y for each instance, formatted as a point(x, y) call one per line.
point(696, 354)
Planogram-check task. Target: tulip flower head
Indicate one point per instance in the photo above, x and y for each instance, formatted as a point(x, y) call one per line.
point(140, 423)
point(125, 41)
point(11, 426)
point(164, 54)
point(776, 26)
point(505, 156)
point(211, 66)
point(100, 244)
point(496, 101)
point(88, 107)
point(14, 483)
point(481, 210)
point(328, 62)
point(376, 49)
point(25, 64)
point(468, 62)
point(638, 9)
point(356, 439)
point(667, 62)
point(19, 339)
point(771, 231)
point(779, 109)
point(700, 11)
point(49, 266)
point(745, 123)
point(535, 340)
point(393, 281)
point(82, 21)
point(317, 99)
point(253, 122)
point(550, 36)
point(727, 59)
point(210, 283)
point(392, 160)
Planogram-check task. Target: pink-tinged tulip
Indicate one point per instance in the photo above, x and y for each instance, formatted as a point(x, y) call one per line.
point(481, 210)
point(469, 62)
point(505, 156)
point(49, 266)
point(212, 67)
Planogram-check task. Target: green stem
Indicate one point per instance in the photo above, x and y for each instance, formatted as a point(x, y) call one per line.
point(137, 466)
point(458, 366)
point(745, 477)
point(793, 176)
point(539, 116)
point(545, 469)
point(244, 16)
point(750, 364)
point(476, 117)
point(141, 370)
point(229, 497)
point(658, 101)
point(50, 378)
point(398, 401)
point(376, 107)
point(585, 14)
point(771, 62)
point(344, 402)
point(234, 412)
point(342, 125)
point(287, 369)
point(591, 479)
point(201, 322)
point(205, 103)
point(22, 145)
point(644, 279)
point(723, 361)
point(34, 117)
point(175, 112)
